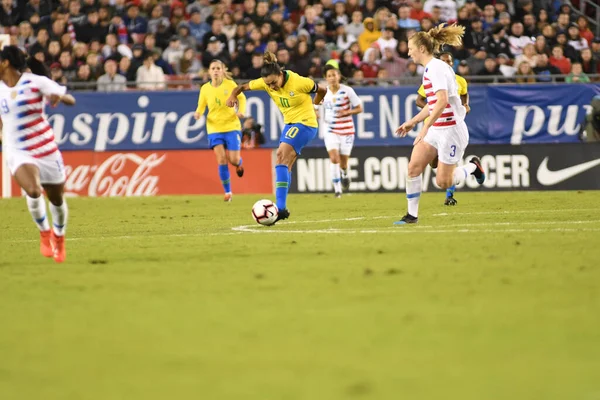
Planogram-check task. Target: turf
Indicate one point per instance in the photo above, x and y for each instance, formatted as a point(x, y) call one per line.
point(186, 298)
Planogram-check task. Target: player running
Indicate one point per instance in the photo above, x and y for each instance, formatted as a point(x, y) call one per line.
point(291, 93)
point(464, 98)
point(339, 105)
point(223, 123)
point(31, 153)
point(444, 133)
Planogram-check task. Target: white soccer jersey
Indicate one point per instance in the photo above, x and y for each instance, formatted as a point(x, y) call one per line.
point(439, 76)
point(344, 99)
point(25, 126)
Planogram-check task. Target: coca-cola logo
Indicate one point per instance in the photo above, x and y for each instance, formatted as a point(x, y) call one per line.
point(122, 174)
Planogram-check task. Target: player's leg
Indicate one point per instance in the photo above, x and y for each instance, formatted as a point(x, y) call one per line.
point(422, 155)
point(221, 156)
point(234, 146)
point(450, 152)
point(345, 151)
point(60, 214)
point(28, 178)
point(336, 177)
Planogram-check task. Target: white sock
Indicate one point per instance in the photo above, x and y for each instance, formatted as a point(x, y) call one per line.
point(59, 218)
point(336, 177)
point(344, 172)
point(462, 173)
point(37, 209)
point(413, 194)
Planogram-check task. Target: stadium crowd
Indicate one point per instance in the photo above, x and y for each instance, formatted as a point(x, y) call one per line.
point(110, 43)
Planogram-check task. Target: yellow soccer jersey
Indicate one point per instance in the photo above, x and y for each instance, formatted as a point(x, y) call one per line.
point(293, 98)
point(460, 81)
point(220, 117)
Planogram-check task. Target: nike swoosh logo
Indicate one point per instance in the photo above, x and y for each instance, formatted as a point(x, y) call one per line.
point(549, 178)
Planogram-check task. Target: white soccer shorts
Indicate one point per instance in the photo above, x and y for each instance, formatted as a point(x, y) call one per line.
point(341, 143)
point(52, 167)
point(450, 142)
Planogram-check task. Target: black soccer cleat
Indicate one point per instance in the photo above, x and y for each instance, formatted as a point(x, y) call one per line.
point(407, 219)
point(346, 184)
point(239, 170)
point(479, 173)
point(282, 214)
point(450, 201)
point(338, 195)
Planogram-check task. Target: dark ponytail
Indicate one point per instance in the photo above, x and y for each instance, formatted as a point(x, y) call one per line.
point(19, 61)
point(270, 66)
point(37, 67)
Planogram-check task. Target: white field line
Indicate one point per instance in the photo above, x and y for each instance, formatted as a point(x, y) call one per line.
point(566, 210)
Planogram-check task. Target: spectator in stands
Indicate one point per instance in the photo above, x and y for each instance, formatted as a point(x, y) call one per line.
point(216, 32)
point(134, 22)
point(214, 52)
point(91, 29)
point(490, 67)
point(568, 50)
point(344, 40)
point(476, 61)
point(463, 69)
point(188, 64)
point(577, 75)
point(382, 16)
point(316, 66)
point(76, 17)
point(183, 33)
point(596, 48)
point(41, 42)
point(370, 64)
point(56, 74)
point(518, 40)
point(417, 11)
point(203, 7)
point(283, 58)
point(150, 42)
point(523, 8)
point(356, 27)
point(369, 35)
point(404, 18)
point(529, 55)
point(25, 38)
point(257, 63)
point(83, 77)
point(386, 40)
point(588, 64)
point(340, 16)
point(575, 40)
point(157, 18)
point(125, 67)
point(504, 67)
point(436, 17)
point(36, 7)
point(66, 63)
point(505, 21)
point(463, 17)
point(529, 26)
point(544, 70)
point(369, 8)
point(584, 29)
point(149, 76)
point(473, 38)
point(489, 17)
point(94, 61)
point(525, 73)
point(174, 52)
point(543, 19)
point(541, 46)
point(395, 66)
point(497, 42)
point(137, 61)
point(562, 23)
point(80, 52)
point(347, 66)
point(447, 7)
point(559, 60)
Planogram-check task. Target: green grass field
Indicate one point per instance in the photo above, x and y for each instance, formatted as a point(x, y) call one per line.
point(187, 298)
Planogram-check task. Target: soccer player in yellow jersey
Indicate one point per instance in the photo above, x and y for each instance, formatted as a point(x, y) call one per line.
point(292, 94)
point(464, 97)
point(222, 123)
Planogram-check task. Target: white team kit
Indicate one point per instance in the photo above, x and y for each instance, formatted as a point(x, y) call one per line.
point(449, 133)
point(26, 133)
point(339, 131)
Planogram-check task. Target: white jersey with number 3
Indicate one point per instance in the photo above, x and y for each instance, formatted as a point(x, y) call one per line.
point(25, 127)
point(439, 76)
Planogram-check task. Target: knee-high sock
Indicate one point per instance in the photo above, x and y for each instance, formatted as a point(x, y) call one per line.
point(37, 209)
point(282, 178)
point(462, 173)
point(59, 218)
point(450, 191)
point(225, 179)
point(413, 194)
point(289, 179)
point(336, 177)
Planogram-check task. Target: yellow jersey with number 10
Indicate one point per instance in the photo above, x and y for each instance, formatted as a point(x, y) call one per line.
point(220, 117)
point(292, 98)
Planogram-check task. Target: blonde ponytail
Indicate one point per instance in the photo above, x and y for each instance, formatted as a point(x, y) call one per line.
point(269, 58)
point(433, 39)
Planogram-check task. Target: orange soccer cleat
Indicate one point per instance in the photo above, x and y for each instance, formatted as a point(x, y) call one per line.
point(228, 197)
point(60, 252)
point(46, 244)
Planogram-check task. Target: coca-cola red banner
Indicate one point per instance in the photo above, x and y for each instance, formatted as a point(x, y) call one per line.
point(150, 173)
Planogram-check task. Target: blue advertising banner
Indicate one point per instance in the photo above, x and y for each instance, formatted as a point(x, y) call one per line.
point(164, 120)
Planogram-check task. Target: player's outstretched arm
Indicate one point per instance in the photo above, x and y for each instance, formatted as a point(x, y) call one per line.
point(66, 99)
point(233, 101)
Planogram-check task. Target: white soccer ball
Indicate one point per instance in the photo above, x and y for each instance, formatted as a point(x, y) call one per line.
point(265, 212)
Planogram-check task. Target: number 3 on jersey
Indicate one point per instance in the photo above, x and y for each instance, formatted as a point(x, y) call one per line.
point(292, 132)
point(4, 106)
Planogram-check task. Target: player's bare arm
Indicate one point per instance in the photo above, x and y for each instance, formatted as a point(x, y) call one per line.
point(321, 92)
point(464, 98)
point(438, 108)
point(66, 99)
point(232, 101)
point(352, 111)
point(421, 102)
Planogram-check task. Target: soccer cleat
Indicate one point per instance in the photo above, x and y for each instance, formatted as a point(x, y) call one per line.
point(46, 244)
point(239, 170)
point(346, 184)
point(478, 173)
point(407, 219)
point(450, 201)
point(338, 195)
point(282, 214)
point(228, 197)
point(60, 252)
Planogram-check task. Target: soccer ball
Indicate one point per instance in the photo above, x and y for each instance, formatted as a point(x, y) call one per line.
point(264, 212)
